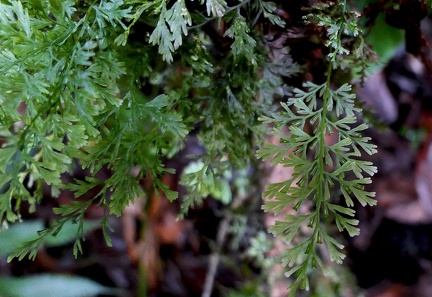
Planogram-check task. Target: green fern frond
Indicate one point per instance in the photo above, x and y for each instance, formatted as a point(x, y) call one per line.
point(314, 182)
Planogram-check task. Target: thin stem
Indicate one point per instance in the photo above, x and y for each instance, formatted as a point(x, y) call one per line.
point(215, 256)
point(220, 238)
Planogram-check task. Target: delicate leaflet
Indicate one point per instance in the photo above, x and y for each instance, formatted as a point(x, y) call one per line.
point(311, 115)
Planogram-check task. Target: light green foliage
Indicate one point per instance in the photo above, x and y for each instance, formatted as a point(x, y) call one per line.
point(61, 68)
point(215, 7)
point(171, 26)
point(83, 86)
point(119, 85)
point(320, 168)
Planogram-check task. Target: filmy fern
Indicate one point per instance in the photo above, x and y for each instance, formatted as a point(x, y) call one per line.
point(97, 86)
point(320, 166)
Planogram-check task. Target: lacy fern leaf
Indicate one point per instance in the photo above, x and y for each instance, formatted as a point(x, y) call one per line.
point(319, 167)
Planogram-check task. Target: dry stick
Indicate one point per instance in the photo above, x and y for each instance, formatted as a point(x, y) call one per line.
point(215, 256)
